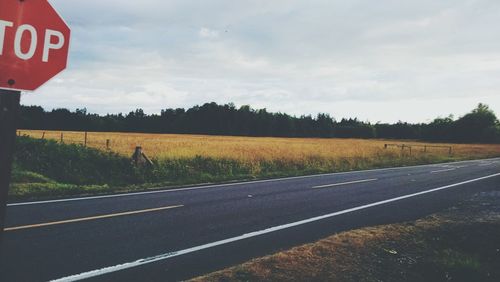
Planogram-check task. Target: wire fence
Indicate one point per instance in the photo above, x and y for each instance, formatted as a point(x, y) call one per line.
point(423, 148)
point(79, 138)
point(88, 140)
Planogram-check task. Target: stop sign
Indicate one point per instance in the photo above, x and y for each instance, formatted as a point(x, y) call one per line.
point(34, 44)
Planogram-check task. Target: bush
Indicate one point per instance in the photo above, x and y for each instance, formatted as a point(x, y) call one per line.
point(74, 164)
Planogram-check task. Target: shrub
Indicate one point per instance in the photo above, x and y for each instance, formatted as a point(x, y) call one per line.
point(73, 164)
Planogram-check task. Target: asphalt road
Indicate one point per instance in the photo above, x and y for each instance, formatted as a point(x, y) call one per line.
point(178, 234)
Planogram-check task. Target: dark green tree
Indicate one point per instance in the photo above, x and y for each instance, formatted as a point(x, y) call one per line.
point(480, 125)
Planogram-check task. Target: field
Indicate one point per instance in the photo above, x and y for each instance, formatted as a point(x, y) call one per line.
point(253, 150)
point(50, 168)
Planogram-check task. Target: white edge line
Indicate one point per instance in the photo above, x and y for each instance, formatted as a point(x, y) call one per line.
point(444, 170)
point(229, 184)
point(111, 269)
point(344, 183)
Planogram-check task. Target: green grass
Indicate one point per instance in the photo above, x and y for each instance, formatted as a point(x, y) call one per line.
point(47, 169)
point(453, 259)
point(21, 176)
point(73, 164)
point(35, 190)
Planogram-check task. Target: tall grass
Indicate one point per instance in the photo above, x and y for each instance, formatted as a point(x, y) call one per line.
point(255, 150)
point(190, 159)
point(73, 164)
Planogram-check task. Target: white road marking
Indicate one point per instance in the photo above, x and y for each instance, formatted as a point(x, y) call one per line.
point(111, 269)
point(444, 170)
point(344, 183)
point(225, 185)
point(89, 218)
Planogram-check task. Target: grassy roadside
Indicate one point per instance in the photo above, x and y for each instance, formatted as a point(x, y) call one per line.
point(461, 244)
point(47, 169)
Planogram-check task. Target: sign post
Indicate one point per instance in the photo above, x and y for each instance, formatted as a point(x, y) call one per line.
point(9, 115)
point(34, 47)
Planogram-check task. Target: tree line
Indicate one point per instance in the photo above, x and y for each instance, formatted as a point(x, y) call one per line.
point(479, 126)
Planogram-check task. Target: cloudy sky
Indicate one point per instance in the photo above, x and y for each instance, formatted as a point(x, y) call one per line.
point(384, 60)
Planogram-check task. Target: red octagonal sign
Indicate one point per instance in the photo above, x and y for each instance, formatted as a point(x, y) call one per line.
point(34, 44)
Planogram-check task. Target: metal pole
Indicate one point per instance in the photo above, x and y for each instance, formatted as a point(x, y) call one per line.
point(9, 116)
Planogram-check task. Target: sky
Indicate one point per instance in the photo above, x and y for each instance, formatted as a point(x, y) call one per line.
point(379, 61)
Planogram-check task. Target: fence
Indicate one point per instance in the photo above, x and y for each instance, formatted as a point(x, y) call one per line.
point(84, 139)
point(81, 138)
point(425, 148)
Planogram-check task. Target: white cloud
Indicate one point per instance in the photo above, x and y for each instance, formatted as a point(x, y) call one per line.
point(208, 33)
point(379, 60)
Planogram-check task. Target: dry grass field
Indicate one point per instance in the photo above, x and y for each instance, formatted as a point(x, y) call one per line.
point(47, 169)
point(251, 149)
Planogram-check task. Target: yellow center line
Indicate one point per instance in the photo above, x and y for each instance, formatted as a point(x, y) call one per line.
point(90, 218)
point(344, 183)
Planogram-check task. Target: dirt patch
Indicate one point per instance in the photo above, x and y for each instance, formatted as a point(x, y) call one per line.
point(461, 244)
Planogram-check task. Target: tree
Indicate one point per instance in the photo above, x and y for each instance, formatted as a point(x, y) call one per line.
point(480, 125)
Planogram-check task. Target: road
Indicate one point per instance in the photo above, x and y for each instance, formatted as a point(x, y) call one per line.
point(178, 234)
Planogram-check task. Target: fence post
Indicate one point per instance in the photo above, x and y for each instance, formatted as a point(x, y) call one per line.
point(107, 144)
point(451, 151)
point(139, 158)
point(385, 146)
point(43, 135)
point(62, 137)
point(85, 142)
point(425, 149)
